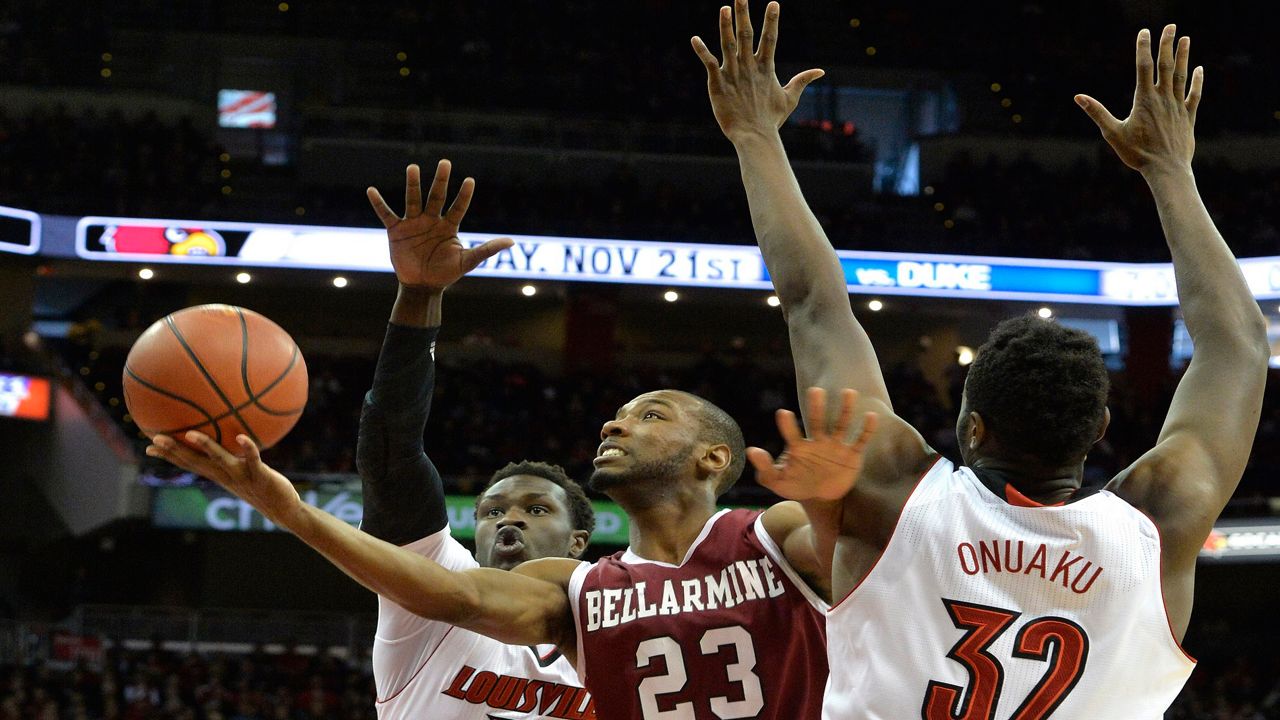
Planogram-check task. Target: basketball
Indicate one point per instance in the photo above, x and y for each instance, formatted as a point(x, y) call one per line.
point(219, 369)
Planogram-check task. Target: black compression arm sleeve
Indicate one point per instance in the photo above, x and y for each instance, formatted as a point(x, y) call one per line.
point(403, 493)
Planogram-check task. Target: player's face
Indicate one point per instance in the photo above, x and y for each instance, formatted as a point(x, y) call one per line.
point(521, 518)
point(652, 438)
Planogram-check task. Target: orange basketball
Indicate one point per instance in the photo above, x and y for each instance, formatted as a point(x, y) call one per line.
point(219, 369)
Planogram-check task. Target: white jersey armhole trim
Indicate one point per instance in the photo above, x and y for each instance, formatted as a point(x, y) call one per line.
point(433, 548)
point(1164, 607)
point(837, 604)
point(775, 553)
point(576, 581)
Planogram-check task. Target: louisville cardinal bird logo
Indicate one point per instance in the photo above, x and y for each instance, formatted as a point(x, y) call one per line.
point(157, 240)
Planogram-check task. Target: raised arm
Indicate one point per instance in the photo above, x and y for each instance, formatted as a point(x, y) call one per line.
point(515, 607)
point(830, 348)
point(1187, 478)
point(403, 492)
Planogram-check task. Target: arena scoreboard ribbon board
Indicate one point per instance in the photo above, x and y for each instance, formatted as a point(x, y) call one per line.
point(672, 264)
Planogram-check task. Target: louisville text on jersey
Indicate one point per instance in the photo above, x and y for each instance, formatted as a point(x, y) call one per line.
point(508, 692)
point(743, 581)
point(1011, 556)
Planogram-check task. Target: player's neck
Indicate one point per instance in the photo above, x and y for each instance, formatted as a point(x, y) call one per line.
point(664, 532)
point(1046, 486)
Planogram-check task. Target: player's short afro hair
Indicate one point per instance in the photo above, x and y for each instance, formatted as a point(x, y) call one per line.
point(1041, 388)
point(582, 515)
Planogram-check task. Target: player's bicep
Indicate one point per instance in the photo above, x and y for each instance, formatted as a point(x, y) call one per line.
point(1214, 414)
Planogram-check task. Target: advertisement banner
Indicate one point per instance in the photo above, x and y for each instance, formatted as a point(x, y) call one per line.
point(211, 508)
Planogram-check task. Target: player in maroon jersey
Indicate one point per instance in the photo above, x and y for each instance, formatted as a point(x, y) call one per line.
point(708, 614)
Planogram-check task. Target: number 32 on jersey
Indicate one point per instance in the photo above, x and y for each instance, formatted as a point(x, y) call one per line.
point(1054, 640)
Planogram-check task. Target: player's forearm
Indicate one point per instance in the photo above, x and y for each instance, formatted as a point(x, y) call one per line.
point(406, 578)
point(825, 519)
point(829, 346)
point(801, 261)
point(1217, 306)
point(403, 492)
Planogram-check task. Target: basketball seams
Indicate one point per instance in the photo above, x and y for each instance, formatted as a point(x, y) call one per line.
point(209, 378)
point(255, 398)
point(210, 420)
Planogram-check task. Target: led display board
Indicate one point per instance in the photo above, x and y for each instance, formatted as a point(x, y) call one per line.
point(19, 231)
point(25, 397)
point(651, 263)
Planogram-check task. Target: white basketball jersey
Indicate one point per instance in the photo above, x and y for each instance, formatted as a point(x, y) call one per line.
point(427, 670)
point(983, 609)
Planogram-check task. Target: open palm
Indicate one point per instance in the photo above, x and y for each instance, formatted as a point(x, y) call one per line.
point(425, 249)
point(823, 466)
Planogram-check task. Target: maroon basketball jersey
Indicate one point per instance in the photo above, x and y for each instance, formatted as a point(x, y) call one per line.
point(731, 632)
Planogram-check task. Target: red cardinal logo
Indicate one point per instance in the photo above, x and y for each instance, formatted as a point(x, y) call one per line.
point(156, 240)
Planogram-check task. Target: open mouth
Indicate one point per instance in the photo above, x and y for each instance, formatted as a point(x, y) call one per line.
point(607, 453)
point(509, 541)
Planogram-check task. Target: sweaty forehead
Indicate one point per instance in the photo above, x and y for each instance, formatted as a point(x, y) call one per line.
point(670, 398)
point(521, 488)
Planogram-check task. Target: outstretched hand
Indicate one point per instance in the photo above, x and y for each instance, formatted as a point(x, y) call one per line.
point(824, 466)
point(746, 96)
point(425, 249)
point(246, 477)
point(1159, 133)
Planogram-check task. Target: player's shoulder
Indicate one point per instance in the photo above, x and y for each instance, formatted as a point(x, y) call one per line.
point(443, 548)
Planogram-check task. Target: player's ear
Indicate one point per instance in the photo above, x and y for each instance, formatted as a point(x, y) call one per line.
point(715, 460)
point(977, 431)
point(1106, 422)
point(578, 543)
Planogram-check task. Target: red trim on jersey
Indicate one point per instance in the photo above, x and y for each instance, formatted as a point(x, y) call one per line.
point(1013, 497)
point(895, 531)
point(1164, 605)
point(413, 677)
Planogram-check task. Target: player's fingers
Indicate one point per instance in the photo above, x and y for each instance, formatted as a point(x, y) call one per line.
point(768, 37)
point(848, 398)
point(471, 258)
point(728, 46)
point(458, 209)
point(413, 191)
point(1193, 96)
point(250, 448)
point(788, 427)
point(762, 461)
point(795, 87)
point(870, 421)
point(815, 401)
point(384, 212)
point(211, 449)
point(1146, 72)
point(1180, 66)
point(1099, 114)
point(439, 189)
point(175, 452)
point(746, 33)
point(709, 61)
point(1164, 60)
